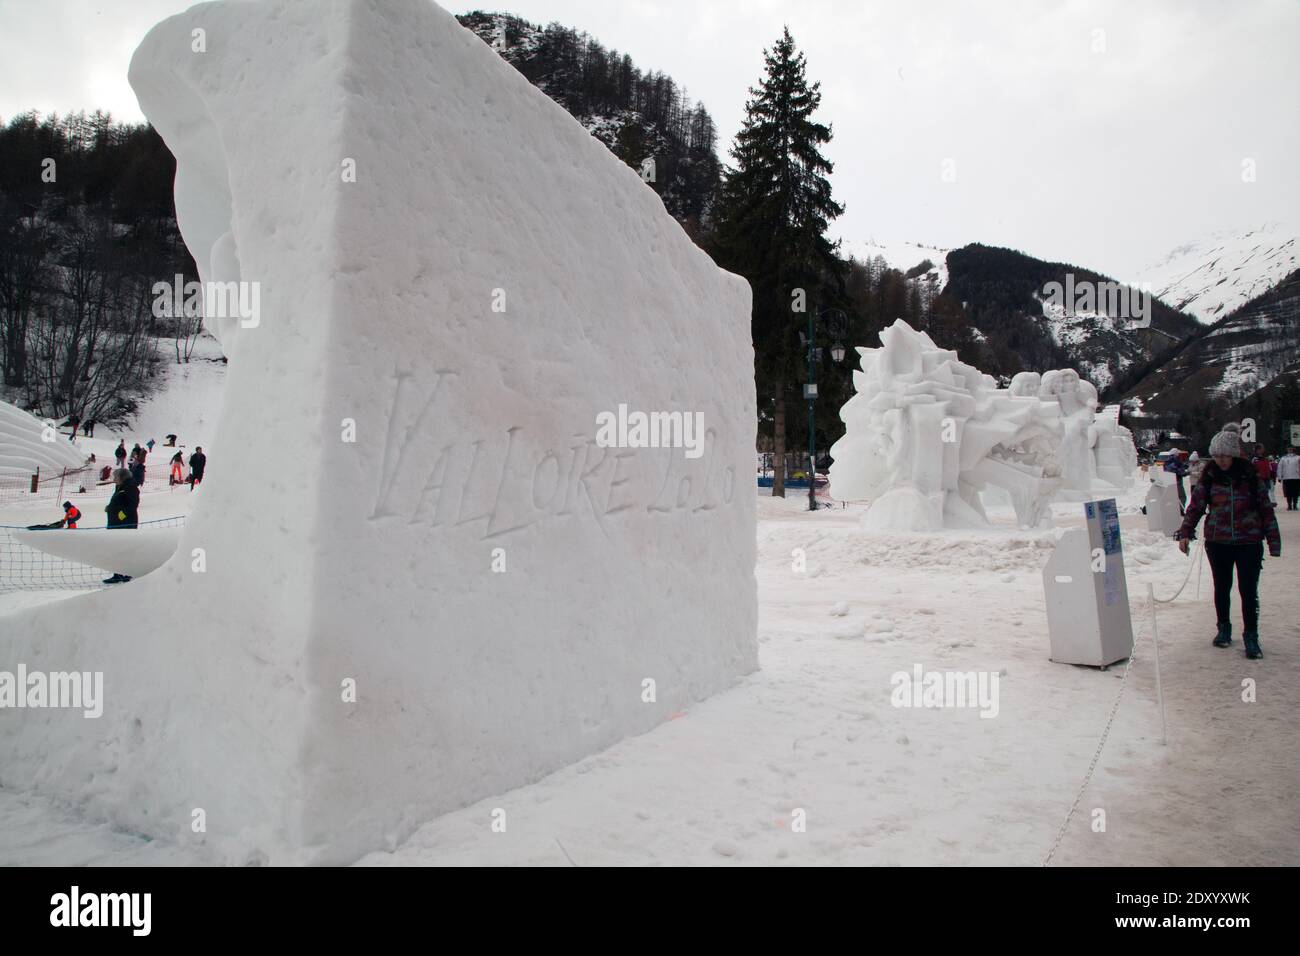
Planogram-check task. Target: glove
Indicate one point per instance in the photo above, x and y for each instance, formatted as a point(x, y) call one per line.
point(1275, 552)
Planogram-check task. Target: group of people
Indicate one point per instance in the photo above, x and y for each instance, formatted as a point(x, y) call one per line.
point(87, 427)
point(1272, 470)
point(123, 508)
point(1232, 493)
point(198, 463)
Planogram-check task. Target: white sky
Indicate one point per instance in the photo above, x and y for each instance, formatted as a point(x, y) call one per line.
point(1103, 159)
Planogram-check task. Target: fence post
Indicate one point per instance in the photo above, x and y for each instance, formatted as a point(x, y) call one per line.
point(36, 480)
point(1155, 644)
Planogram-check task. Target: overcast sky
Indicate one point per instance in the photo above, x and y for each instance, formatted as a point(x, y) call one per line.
point(1097, 133)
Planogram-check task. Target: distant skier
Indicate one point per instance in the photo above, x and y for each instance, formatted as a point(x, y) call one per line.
point(171, 441)
point(123, 511)
point(71, 515)
point(88, 428)
point(150, 443)
point(137, 471)
point(75, 421)
point(1239, 517)
point(198, 462)
point(178, 469)
point(106, 472)
point(120, 453)
point(1288, 472)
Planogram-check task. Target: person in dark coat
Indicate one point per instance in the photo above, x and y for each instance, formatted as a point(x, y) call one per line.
point(1239, 521)
point(75, 422)
point(120, 453)
point(123, 511)
point(198, 462)
point(137, 471)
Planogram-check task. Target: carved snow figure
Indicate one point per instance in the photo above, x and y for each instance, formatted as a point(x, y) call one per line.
point(447, 587)
point(925, 432)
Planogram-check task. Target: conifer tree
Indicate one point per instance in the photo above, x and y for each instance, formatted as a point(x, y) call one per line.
point(774, 210)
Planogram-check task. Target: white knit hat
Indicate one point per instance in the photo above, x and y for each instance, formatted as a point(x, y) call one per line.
point(1227, 443)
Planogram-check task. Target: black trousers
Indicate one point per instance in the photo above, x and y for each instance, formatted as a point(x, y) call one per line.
point(1291, 491)
point(1248, 559)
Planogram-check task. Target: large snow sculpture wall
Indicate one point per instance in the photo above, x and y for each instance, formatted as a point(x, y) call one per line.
point(456, 279)
point(24, 450)
point(926, 433)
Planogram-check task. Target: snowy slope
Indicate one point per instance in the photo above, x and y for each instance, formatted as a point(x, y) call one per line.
point(903, 256)
point(1211, 277)
point(1242, 353)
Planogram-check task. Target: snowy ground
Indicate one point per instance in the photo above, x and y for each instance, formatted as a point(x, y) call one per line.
point(815, 731)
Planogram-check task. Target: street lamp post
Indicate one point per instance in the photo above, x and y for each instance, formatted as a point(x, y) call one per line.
point(837, 325)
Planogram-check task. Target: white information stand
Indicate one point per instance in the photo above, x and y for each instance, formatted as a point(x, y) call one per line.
point(1162, 508)
point(1087, 609)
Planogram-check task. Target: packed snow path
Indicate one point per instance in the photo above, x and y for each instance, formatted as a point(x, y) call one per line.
point(815, 731)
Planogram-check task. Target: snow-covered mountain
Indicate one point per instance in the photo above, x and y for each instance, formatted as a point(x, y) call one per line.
point(1255, 347)
point(1214, 276)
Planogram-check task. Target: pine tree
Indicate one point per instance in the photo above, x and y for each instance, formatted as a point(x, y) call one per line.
point(772, 218)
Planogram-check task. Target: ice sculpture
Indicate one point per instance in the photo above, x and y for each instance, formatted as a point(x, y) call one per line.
point(434, 585)
point(925, 433)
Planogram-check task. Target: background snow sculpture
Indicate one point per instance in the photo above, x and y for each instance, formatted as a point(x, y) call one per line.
point(926, 433)
point(435, 585)
point(24, 451)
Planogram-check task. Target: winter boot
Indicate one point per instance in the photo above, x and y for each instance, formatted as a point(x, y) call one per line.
point(1224, 637)
point(1251, 640)
point(115, 579)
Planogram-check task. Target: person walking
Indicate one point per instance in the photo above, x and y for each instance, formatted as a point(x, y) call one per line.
point(1175, 465)
point(1264, 468)
point(1288, 472)
point(88, 428)
point(198, 462)
point(1239, 518)
point(120, 453)
point(75, 421)
point(123, 510)
point(137, 470)
point(177, 476)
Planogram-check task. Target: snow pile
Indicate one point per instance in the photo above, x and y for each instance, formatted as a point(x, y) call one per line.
point(25, 450)
point(436, 585)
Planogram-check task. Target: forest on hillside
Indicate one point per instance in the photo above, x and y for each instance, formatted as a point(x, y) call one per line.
point(87, 226)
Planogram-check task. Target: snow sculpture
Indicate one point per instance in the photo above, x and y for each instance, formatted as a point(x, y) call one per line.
point(926, 433)
point(24, 450)
point(435, 584)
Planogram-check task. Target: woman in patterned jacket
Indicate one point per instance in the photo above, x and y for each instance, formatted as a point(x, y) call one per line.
point(1239, 518)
